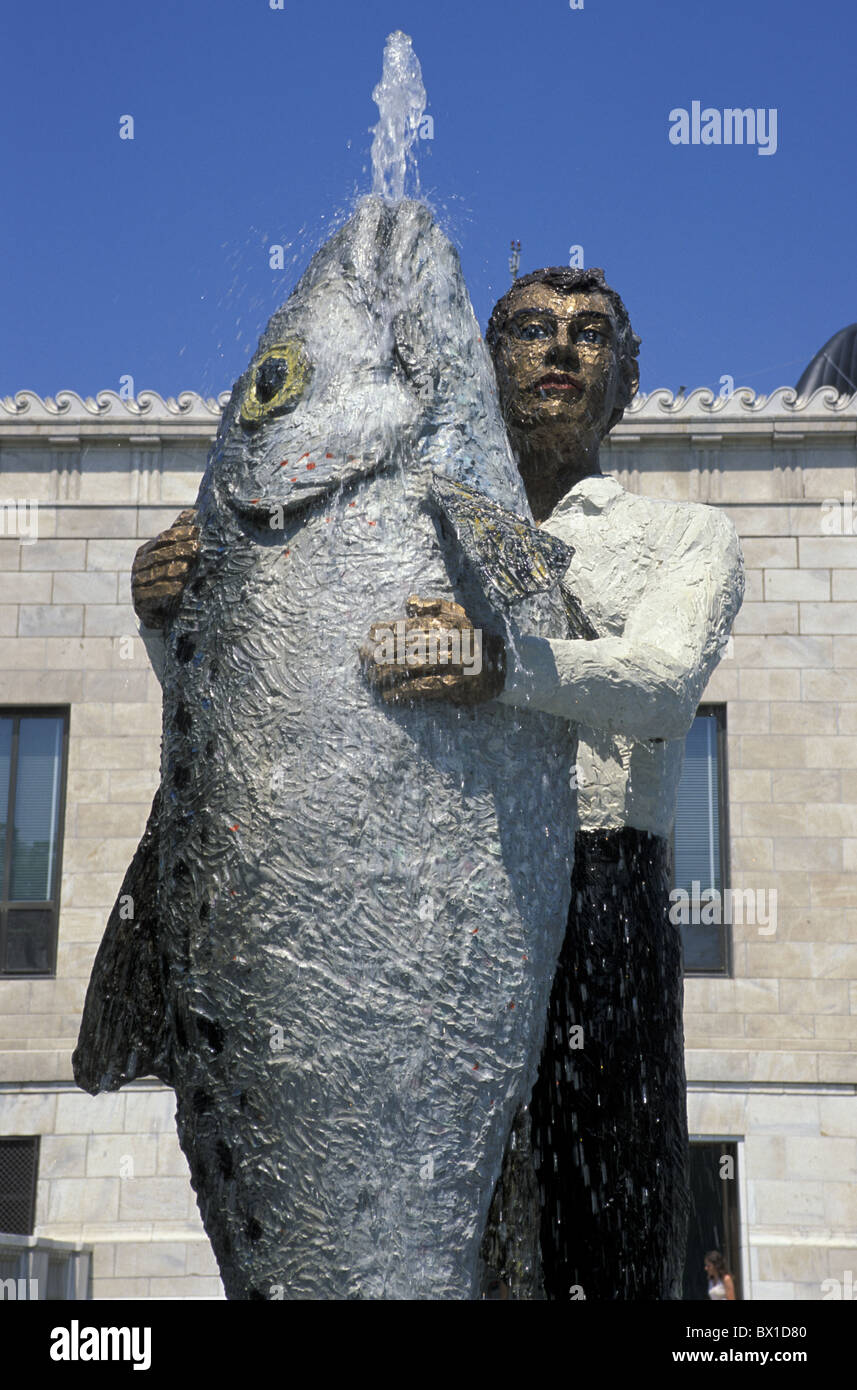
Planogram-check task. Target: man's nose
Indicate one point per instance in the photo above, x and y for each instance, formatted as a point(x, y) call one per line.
point(563, 351)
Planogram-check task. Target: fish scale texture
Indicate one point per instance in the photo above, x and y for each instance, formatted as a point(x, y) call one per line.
point(361, 906)
point(360, 896)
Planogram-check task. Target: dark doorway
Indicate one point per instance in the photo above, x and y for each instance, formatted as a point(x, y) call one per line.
point(714, 1218)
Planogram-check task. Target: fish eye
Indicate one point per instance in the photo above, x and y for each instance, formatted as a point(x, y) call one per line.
point(270, 378)
point(277, 381)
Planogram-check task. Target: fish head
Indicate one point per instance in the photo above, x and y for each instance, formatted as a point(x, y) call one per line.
point(375, 360)
point(326, 398)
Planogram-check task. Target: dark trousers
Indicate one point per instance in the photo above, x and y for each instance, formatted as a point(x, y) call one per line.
point(608, 1114)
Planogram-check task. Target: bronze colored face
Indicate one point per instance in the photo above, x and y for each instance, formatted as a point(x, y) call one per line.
point(557, 367)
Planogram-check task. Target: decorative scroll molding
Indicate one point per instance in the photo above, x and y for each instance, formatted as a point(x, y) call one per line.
point(741, 404)
point(700, 418)
point(69, 407)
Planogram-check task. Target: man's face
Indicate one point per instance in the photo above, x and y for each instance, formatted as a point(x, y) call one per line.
point(557, 366)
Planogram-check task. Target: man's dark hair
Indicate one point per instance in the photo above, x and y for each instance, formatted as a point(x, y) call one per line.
point(565, 279)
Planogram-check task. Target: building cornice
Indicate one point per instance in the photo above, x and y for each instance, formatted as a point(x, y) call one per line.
point(709, 419)
point(705, 417)
point(109, 415)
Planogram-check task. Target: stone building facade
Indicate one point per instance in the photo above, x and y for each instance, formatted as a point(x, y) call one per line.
point(111, 1174)
point(771, 1055)
point(771, 1050)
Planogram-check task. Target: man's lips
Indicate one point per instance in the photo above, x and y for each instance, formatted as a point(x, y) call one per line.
point(558, 381)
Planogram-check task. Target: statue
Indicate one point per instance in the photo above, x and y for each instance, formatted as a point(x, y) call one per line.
point(609, 1104)
point(347, 910)
point(592, 1202)
point(593, 1195)
point(365, 1166)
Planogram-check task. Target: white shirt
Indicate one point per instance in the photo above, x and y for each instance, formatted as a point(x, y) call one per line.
point(663, 581)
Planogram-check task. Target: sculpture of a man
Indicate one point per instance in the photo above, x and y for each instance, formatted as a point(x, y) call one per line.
point(659, 583)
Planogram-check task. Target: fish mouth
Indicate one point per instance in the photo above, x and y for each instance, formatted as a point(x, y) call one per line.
point(558, 381)
point(278, 486)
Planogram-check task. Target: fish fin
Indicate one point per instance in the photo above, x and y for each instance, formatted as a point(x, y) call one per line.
point(123, 1030)
point(512, 558)
point(579, 624)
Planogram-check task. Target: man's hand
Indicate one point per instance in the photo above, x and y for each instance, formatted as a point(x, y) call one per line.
point(404, 658)
point(161, 569)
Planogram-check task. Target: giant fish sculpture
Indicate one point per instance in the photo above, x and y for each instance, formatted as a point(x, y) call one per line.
point(346, 914)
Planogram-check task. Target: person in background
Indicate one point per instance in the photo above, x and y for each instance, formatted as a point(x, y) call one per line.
point(720, 1282)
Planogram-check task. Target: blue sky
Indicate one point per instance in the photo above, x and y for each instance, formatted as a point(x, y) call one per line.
point(149, 257)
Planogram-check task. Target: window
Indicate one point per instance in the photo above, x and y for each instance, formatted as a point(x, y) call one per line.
point(701, 904)
point(714, 1218)
point(19, 1165)
point(32, 792)
point(43, 1270)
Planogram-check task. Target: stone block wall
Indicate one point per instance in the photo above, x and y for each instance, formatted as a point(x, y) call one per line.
point(772, 1051)
point(771, 1054)
point(111, 1173)
point(113, 1179)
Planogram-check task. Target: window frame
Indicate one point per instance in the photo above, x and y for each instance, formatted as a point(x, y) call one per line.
point(726, 971)
point(17, 713)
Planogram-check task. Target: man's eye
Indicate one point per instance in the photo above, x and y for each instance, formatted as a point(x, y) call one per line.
point(530, 331)
point(591, 335)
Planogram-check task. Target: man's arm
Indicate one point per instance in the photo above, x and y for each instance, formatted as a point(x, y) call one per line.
point(648, 682)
